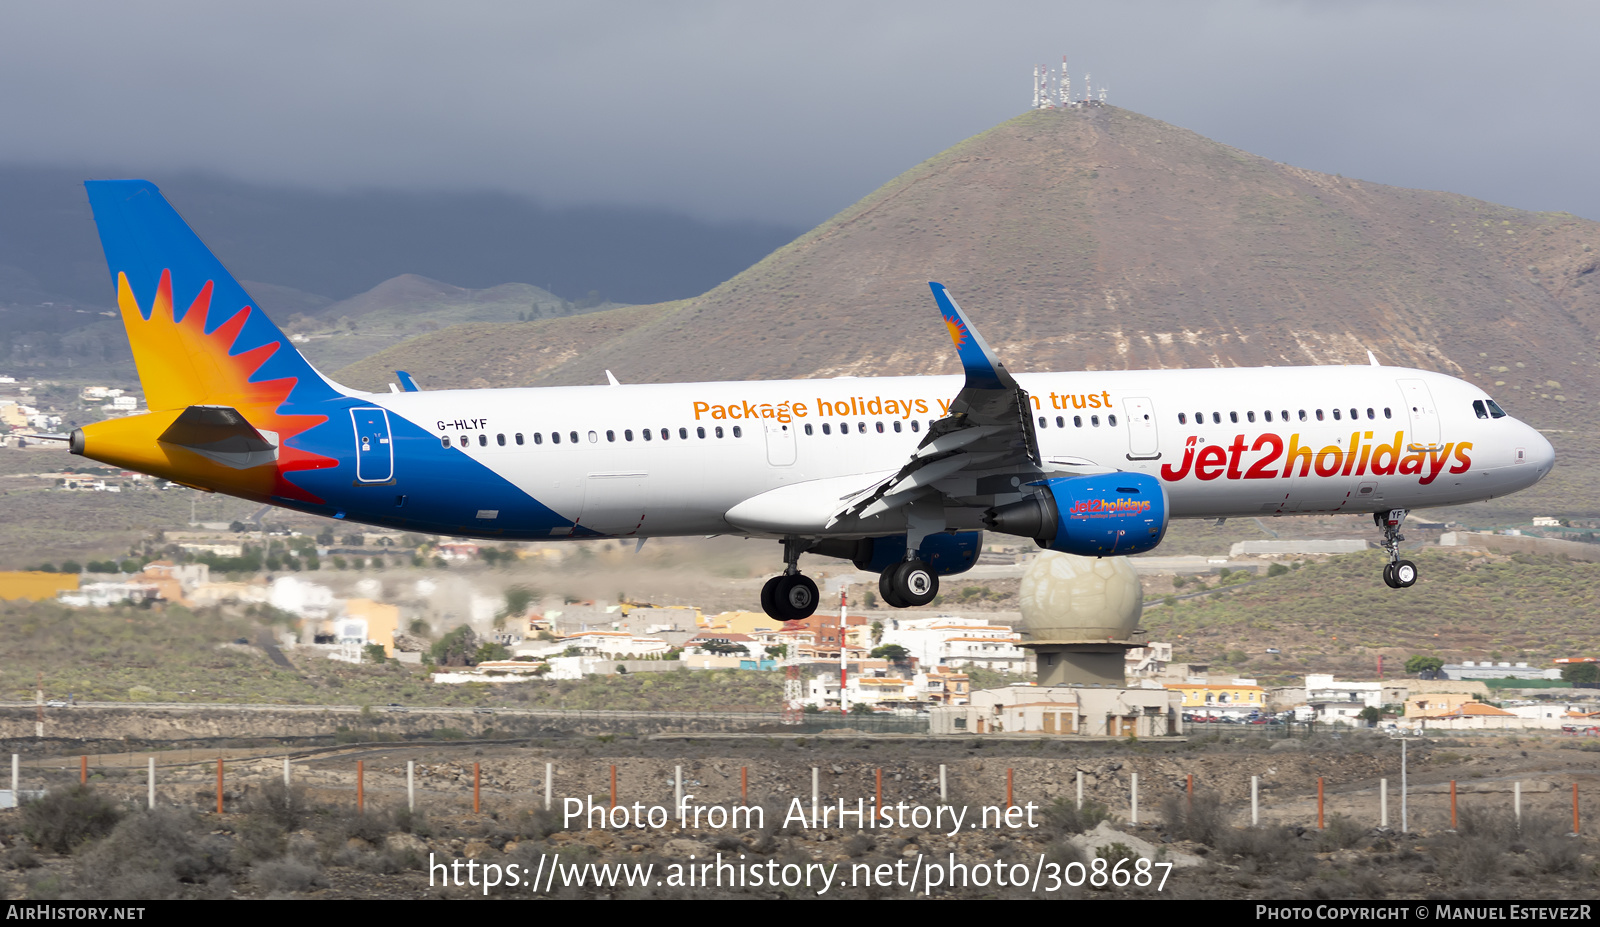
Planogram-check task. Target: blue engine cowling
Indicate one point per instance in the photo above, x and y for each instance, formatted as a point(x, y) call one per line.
point(1091, 516)
point(947, 554)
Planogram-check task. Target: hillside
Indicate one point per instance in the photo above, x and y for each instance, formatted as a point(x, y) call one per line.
point(1103, 239)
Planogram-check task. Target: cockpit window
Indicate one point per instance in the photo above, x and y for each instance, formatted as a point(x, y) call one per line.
point(1494, 409)
point(1477, 408)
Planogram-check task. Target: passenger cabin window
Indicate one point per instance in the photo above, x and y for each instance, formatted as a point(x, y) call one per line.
point(1233, 417)
point(700, 432)
point(683, 433)
point(500, 440)
point(445, 441)
point(861, 428)
point(538, 438)
point(915, 425)
point(1183, 419)
point(1319, 415)
point(825, 428)
point(844, 428)
point(1371, 415)
point(1336, 415)
point(1094, 420)
point(646, 433)
point(627, 434)
point(808, 428)
point(666, 434)
point(611, 435)
point(1388, 414)
point(880, 427)
point(555, 437)
point(1061, 422)
point(738, 432)
point(1043, 422)
point(574, 436)
point(1268, 414)
point(1216, 418)
point(1112, 421)
point(519, 439)
point(1077, 421)
point(719, 431)
point(896, 426)
point(1302, 415)
point(1249, 416)
point(463, 440)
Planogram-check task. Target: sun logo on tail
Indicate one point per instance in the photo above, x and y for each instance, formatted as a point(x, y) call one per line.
point(958, 332)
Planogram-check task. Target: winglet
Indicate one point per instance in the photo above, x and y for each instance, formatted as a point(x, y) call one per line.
point(611, 379)
point(983, 368)
point(407, 382)
point(1371, 358)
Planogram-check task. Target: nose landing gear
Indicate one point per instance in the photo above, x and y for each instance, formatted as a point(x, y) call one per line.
point(1397, 573)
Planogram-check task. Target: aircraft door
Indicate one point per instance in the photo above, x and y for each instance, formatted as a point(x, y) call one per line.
point(780, 444)
point(1143, 443)
point(374, 450)
point(1424, 416)
point(615, 503)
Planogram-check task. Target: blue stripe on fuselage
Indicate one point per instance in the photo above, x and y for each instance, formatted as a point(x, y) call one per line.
point(443, 488)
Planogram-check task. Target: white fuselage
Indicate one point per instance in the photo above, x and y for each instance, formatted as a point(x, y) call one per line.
point(1356, 439)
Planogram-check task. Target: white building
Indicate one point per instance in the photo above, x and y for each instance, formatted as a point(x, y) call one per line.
point(1323, 690)
point(614, 644)
point(299, 597)
point(951, 641)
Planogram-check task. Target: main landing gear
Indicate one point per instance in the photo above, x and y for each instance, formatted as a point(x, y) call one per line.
point(908, 584)
point(1397, 573)
point(791, 595)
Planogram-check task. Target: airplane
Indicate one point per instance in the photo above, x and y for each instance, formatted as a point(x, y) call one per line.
point(900, 475)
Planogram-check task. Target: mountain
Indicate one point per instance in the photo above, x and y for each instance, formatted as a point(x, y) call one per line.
point(1099, 238)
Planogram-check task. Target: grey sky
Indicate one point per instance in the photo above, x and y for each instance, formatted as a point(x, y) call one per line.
point(785, 112)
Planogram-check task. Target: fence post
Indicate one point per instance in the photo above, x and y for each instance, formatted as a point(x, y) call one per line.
point(549, 774)
point(285, 772)
point(1452, 804)
point(477, 777)
point(613, 785)
point(1383, 803)
point(219, 785)
point(816, 793)
point(1080, 790)
point(1189, 785)
point(1516, 802)
point(83, 770)
point(1575, 830)
point(16, 778)
point(1319, 803)
point(1405, 817)
point(744, 785)
point(411, 786)
point(152, 783)
point(677, 790)
point(944, 791)
point(1255, 801)
point(361, 787)
point(1133, 780)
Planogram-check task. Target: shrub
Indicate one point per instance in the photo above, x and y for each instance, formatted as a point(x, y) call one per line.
point(164, 853)
point(67, 817)
point(1064, 818)
point(286, 875)
point(1203, 822)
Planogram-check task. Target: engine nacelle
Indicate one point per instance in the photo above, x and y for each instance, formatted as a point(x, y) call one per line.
point(947, 554)
point(1091, 516)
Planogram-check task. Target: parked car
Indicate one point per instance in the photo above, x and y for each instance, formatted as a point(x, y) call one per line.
point(56, 703)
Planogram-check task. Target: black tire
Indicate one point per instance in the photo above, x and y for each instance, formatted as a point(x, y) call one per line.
point(1405, 574)
point(886, 588)
point(769, 597)
point(915, 583)
point(1388, 576)
point(796, 597)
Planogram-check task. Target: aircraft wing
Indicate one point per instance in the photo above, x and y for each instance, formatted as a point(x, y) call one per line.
point(989, 428)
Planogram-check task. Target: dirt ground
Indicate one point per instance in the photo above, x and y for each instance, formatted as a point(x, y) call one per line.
point(384, 851)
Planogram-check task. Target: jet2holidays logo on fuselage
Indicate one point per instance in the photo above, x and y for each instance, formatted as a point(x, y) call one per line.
point(1362, 457)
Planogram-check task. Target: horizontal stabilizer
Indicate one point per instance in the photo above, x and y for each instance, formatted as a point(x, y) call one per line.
point(221, 434)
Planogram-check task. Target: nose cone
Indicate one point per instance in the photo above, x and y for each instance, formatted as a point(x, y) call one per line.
point(1541, 456)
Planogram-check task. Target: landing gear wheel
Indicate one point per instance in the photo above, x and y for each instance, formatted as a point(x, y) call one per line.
point(769, 596)
point(796, 597)
point(914, 583)
point(1388, 576)
point(1405, 574)
point(886, 589)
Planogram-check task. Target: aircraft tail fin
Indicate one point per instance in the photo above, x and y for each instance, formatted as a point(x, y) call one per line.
point(197, 337)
